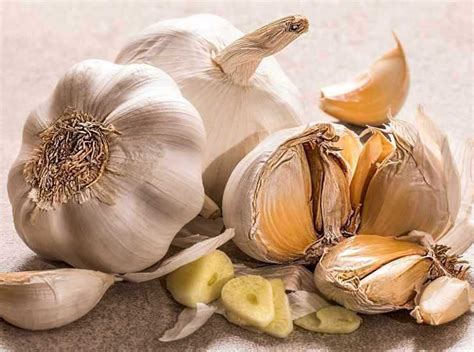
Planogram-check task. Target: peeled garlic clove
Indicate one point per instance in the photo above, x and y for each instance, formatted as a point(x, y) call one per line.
point(282, 324)
point(223, 73)
point(200, 281)
point(330, 320)
point(249, 298)
point(40, 300)
point(291, 191)
point(373, 274)
point(416, 187)
point(371, 96)
point(443, 300)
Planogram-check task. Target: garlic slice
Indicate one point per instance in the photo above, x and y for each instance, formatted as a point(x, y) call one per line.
point(40, 300)
point(371, 96)
point(289, 197)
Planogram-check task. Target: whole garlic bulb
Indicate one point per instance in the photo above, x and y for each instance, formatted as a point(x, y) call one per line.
point(290, 195)
point(409, 182)
point(241, 98)
point(40, 300)
point(110, 168)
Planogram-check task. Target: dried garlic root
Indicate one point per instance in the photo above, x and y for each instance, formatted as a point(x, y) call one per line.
point(249, 299)
point(330, 320)
point(202, 280)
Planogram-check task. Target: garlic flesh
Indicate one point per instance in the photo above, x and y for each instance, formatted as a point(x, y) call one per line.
point(289, 192)
point(372, 96)
point(443, 300)
point(110, 168)
point(241, 96)
point(40, 300)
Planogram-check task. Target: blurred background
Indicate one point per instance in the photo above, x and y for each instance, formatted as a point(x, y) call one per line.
point(39, 40)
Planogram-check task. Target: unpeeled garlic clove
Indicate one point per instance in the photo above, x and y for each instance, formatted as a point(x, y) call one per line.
point(372, 96)
point(443, 300)
point(40, 300)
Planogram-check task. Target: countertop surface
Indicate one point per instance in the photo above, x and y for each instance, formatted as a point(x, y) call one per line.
point(40, 40)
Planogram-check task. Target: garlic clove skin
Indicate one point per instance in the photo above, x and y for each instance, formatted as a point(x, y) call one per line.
point(290, 188)
point(372, 96)
point(372, 274)
point(149, 186)
point(41, 300)
point(416, 187)
point(443, 300)
point(241, 97)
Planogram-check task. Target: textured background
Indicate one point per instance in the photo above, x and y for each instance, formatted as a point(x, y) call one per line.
point(40, 40)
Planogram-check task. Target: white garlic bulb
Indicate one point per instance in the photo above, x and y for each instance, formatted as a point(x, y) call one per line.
point(289, 197)
point(40, 300)
point(241, 98)
point(110, 168)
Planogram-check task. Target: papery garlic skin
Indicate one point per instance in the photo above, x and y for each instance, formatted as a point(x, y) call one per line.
point(373, 274)
point(416, 187)
point(40, 300)
point(150, 185)
point(241, 98)
point(443, 300)
point(372, 96)
point(270, 201)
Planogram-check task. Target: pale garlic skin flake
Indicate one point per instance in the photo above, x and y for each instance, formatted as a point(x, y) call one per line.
point(117, 206)
point(239, 89)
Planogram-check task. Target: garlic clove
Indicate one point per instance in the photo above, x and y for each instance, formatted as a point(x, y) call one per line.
point(375, 151)
point(249, 298)
point(372, 96)
point(40, 300)
point(443, 300)
point(351, 147)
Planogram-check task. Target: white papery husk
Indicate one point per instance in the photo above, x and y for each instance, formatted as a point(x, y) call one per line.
point(417, 187)
point(151, 185)
point(240, 99)
point(270, 194)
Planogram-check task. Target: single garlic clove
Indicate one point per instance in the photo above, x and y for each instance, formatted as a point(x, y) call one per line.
point(372, 96)
point(443, 300)
point(202, 280)
point(249, 298)
point(330, 320)
point(282, 324)
point(40, 300)
point(350, 146)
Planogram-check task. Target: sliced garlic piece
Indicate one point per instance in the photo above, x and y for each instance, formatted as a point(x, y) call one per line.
point(282, 324)
point(40, 300)
point(202, 280)
point(372, 96)
point(330, 320)
point(443, 300)
point(250, 299)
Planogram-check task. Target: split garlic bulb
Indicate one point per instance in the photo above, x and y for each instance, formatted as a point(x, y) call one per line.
point(40, 300)
point(290, 195)
point(373, 274)
point(372, 96)
point(409, 182)
point(241, 98)
point(110, 168)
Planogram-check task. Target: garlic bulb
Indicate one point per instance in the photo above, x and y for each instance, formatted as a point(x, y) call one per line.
point(241, 98)
point(110, 168)
point(373, 274)
point(409, 182)
point(290, 196)
point(443, 300)
point(372, 96)
point(39, 300)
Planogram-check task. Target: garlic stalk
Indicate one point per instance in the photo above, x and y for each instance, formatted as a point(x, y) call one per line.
point(289, 197)
point(241, 96)
point(372, 96)
point(110, 168)
point(39, 300)
point(408, 182)
point(376, 274)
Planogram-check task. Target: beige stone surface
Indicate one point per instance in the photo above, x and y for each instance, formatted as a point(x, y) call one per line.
point(40, 40)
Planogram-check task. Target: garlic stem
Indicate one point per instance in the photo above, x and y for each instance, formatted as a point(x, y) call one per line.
point(240, 59)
